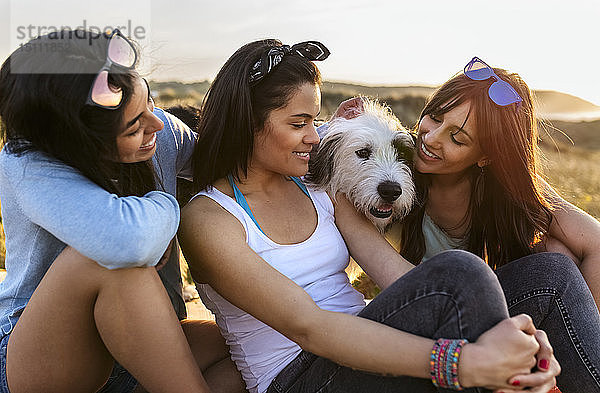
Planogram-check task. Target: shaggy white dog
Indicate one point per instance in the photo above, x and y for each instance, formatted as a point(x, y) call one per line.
point(367, 158)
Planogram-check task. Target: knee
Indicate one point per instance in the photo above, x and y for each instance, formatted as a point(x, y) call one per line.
point(462, 277)
point(459, 263)
point(555, 262)
point(131, 276)
point(204, 330)
point(74, 267)
point(547, 268)
point(205, 339)
point(461, 269)
point(75, 263)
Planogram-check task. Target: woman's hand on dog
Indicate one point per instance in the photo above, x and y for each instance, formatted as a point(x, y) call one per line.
point(349, 109)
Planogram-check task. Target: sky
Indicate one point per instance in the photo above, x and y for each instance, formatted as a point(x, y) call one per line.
point(552, 44)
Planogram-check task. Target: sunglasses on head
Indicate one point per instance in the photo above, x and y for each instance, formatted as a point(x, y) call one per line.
point(500, 92)
point(120, 53)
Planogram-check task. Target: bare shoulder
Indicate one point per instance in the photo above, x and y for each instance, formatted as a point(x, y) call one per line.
point(199, 207)
point(206, 231)
point(205, 209)
point(203, 215)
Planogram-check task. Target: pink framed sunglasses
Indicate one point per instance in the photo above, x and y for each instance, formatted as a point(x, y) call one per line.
point(121, 53)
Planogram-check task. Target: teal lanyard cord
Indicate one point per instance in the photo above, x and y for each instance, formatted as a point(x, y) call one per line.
point(241, 199)
point(301, 185)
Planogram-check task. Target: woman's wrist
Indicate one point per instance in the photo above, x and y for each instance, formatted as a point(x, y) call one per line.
point(469, 359)
point(444, 361)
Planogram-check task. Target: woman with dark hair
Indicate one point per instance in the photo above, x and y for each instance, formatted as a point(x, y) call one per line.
point(480, 189)
point(268, 255)
point(86, 231)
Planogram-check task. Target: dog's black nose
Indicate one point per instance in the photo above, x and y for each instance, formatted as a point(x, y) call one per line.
point(389, 191)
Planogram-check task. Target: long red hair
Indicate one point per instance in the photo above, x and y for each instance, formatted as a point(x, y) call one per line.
point(508, 212)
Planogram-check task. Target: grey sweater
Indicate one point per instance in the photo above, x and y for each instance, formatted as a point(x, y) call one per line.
point(47, 205)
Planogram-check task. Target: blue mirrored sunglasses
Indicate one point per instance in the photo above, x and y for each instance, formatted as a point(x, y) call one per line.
point(500, 92)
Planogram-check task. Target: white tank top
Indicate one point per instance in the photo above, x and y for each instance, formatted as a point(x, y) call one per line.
point(316, 264)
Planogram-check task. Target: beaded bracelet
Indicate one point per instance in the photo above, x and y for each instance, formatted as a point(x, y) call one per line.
point(444, 363)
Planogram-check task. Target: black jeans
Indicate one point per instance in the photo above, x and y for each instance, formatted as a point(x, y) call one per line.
point(550, 288)
point(433, 300)
point(456, 295)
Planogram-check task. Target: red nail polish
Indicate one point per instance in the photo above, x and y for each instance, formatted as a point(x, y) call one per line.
point(516, 382)
point(543, 364)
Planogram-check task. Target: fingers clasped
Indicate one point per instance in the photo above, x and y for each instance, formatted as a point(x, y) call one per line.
point(504, 357)
point(543, 377)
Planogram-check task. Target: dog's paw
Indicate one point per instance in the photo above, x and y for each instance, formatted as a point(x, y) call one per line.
point(190, 293)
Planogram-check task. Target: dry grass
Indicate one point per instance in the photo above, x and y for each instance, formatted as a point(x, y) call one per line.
point(575, 173)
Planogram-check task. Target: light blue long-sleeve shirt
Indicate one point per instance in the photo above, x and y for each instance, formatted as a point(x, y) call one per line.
point(47, 205)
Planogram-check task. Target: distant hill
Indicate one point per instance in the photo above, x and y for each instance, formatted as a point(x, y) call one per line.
point(563, 106)
point(377, 91)
point(582, 135)
point(182, 90)
point(551, 104)
point(564, 111)
point(553, 101)
point(179, 91)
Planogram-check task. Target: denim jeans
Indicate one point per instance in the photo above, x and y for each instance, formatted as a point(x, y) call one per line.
point(550, 288)
point(120, 381)
point(436, 299)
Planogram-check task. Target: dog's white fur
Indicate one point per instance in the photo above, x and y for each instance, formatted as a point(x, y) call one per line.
point(336, 166)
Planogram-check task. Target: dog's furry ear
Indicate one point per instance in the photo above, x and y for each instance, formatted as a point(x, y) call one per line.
point(320, 166)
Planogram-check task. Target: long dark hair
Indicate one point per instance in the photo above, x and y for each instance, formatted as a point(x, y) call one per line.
point(508, 212)
point(44, 86)
point(235, 110)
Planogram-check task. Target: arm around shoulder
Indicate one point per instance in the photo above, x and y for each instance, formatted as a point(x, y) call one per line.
point(180, 138)
point(113, 231)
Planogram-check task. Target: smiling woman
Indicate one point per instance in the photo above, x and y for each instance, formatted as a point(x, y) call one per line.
point(137, 142)
point(93, 292)
point(461, 154)
point(268, 255)
point(480, 189)
point(284, 142)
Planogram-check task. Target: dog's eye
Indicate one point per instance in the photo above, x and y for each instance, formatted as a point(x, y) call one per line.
point(403, 152)
point(363, 153)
